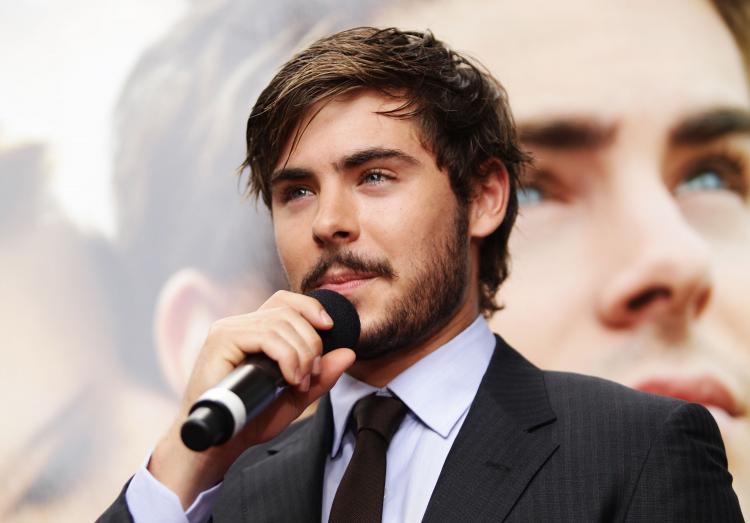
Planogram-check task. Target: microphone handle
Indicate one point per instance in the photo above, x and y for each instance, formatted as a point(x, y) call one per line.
point(223, 410)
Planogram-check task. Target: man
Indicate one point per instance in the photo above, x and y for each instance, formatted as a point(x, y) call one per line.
point(177, 145)
point(390, 166)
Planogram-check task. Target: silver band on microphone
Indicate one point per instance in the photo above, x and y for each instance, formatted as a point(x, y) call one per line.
point(231, 401)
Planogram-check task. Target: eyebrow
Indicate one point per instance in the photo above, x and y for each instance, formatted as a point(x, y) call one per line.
point(710, 125)
point(364, 156)
point(289, 174)
point(351, 161)
point(565, 133)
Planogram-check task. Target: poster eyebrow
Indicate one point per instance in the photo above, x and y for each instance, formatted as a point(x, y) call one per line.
point(568, 133)
point(711, 125)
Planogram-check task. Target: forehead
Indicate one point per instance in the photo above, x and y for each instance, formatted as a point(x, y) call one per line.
point(349, 123)
point(604, 58)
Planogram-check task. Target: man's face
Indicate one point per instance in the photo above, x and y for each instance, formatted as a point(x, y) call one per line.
point(360, 207)
point(631, 255)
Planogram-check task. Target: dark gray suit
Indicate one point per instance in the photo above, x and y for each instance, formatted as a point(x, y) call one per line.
point(535, 446)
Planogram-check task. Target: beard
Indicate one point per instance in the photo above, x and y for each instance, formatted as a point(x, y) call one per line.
point(432, 297)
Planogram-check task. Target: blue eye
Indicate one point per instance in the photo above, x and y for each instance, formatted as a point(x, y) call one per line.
point(294, 193)
point(529, 195)
point(374, 177)
point(725, 171)
point(706, 181)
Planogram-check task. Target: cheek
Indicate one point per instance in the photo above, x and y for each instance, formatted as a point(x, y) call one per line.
point(726, 228)
point(731, 293)
point(291, 253)
point(548, 298)
point(292, 234)
point(402, 227)
point(553, 260)
point(719, 217)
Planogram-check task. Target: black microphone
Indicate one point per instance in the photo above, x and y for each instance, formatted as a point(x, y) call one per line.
point(223, 410)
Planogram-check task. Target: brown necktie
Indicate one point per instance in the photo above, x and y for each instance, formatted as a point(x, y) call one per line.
point(359, 497)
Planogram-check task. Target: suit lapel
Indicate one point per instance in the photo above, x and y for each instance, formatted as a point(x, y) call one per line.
point(501, 445)
point(287, 485)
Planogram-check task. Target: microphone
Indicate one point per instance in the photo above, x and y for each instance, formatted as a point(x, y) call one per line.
point(223, 410)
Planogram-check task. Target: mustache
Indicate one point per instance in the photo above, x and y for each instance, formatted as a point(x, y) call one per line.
point(350, 260)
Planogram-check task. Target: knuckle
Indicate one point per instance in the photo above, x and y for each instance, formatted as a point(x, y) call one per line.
point(313, 346)
point(281, 295)
point(217, 329)
point(277, 324)
point(312, 340)
point(317, 341)
point(272, 337)
point(306, 357)
point(287, 312)
point(289, 360)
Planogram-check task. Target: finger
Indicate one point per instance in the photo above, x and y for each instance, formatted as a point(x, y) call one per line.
point(312, 345)
point(286, 322)
point(332, 366)
point(293, 402)
point(276, 347)
point(308, 307)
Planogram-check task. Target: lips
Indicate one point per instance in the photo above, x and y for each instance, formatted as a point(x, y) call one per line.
point(344, 280)
point(706, 390)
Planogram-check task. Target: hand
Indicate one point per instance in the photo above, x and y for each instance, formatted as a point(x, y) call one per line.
point(283, 328)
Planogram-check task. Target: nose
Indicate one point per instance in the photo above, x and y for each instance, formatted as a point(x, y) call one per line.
point(336, 218)
point(661, 265)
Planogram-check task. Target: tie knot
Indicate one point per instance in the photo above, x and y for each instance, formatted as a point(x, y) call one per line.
point(382, 414)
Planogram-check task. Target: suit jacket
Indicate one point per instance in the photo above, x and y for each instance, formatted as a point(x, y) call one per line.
point(535, 446)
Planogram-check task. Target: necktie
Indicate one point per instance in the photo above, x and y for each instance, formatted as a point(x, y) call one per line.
point(360, 494)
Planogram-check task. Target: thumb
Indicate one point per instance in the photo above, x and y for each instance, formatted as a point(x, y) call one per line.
point(332, 366)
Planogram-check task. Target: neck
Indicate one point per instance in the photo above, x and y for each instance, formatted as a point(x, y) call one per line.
point(381, 371)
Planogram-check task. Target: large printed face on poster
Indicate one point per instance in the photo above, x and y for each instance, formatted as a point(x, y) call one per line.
point(67, 401)
point(631, 254)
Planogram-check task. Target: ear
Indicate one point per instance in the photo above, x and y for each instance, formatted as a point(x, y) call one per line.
point(489, 199)
point(188, 303)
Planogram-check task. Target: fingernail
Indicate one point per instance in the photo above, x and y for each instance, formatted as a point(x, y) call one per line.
point(305, 385)
point(316, 366)
point(297, 376)
point(325, 318)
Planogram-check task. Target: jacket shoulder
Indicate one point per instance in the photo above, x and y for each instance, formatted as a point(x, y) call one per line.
point(651, 458)
point(571, 392)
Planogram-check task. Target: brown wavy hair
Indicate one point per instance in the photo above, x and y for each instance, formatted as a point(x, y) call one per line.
point(461, 109)
point(736, 14)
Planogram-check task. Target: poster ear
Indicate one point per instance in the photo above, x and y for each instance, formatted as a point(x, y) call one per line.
point(188, 303)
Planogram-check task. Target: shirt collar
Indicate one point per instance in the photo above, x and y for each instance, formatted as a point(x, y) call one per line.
point(437, 389)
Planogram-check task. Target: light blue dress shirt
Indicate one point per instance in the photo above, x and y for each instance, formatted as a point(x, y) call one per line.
point(438, 390)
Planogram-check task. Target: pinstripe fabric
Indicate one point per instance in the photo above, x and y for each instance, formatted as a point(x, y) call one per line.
point(535, 446)
point(622, 455)
point(280, 481)
point(117, 512)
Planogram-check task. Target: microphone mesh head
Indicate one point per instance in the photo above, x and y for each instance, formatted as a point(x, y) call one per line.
point(345, 330)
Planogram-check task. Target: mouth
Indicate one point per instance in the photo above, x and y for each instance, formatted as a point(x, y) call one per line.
point(344, 281)
point(706, 390)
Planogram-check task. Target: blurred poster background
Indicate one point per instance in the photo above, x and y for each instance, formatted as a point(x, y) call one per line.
point(63, 65)
point(125, 231)
point(68, 439)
